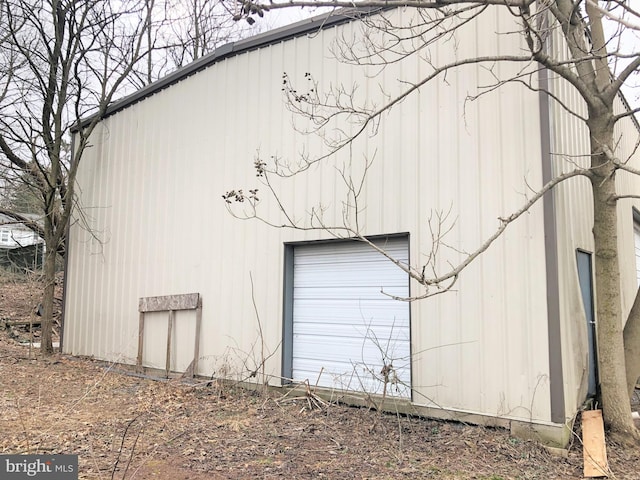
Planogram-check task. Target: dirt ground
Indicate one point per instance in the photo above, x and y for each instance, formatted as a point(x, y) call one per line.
point(127, 427)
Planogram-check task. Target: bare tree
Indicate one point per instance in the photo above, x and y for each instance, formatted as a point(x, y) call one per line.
point(204, 26)
point(62, 61)
point(595, 64)
point(180, 32)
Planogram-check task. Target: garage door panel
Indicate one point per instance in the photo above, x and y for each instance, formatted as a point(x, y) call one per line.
point(308, 372)
point(395, 332)
point(380, 333)
point(349, 252)
point(342, 324)
point(342, 367)
point(353, 293)
point(336, 317)
point(368, 354)
point(358, 377)
point(324, 277)
point(378, 313)
point(335, 324)
point(389, 341)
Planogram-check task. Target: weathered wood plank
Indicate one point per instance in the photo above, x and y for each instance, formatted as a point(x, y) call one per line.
point(19, 323)
point(169, 330)
point(196, 348)
point(170, 303)
point(140, 338)
point(594, 449)
point(187, 301)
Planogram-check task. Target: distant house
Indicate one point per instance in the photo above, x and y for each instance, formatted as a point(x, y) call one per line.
point(20, 246)
point(513, 345)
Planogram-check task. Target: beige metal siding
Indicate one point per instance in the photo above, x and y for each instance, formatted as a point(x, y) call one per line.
point(628, 138)
point(152, 183)
point(574, 218)
point(574, 212)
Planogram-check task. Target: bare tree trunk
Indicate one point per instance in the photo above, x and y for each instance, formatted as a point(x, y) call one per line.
point(611, 354)
point(46, 345)
point(632, 345)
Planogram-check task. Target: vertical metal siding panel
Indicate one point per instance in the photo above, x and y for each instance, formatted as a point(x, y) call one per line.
point(494, 317)
point(574, 214)
point(324, 187)
point(182, 340)
point(84, 313)
point(92, 332)
point(575, 219)
point(627, 134)
point(94, 324)
point(94, 327)
point(235, 151)
point(515, 356)
point(111, 247)
point(71, 325)
point(494, 339)
point(126, 198)
point(267, 278)
point(155, 340)
point(425, 315)
point(454, 141)
point(157, 227)
point(271, 261)
point(471, 294)
point(111, 251)
point(87, 267)
point(215, 165)
point(173, 217)
point(530, 339)
point(75, 321)
point(211, 163)
point(426, 159)
point(139, 203)
point(98, 328)
point(135, 240)
point(84, 334)
point(477, 202)
point(150, 136)
point(101, 295)
point(246, 123)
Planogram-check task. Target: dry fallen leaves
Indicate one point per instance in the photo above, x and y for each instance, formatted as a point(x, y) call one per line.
point(127, 427)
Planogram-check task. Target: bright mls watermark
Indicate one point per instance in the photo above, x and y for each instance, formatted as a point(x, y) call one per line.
point(51, 467)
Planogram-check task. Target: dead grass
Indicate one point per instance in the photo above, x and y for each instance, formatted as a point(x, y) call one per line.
point(20, 295)
point(170, 430)
point(123, 427)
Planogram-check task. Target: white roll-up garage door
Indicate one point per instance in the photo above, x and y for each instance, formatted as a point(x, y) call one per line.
point(347, 331)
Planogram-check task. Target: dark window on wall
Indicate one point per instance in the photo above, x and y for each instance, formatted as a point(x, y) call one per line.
point(585, 278)
point(636, 241)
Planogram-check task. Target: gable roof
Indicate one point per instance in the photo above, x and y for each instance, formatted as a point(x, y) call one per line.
point(231, 49)
point(270, 37)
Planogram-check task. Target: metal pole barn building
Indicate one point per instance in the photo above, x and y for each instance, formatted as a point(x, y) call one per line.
point(511, 345)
